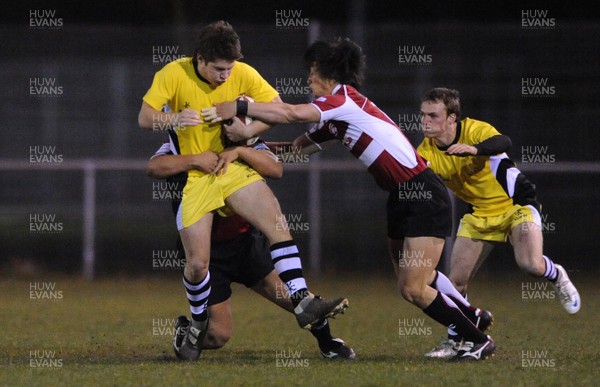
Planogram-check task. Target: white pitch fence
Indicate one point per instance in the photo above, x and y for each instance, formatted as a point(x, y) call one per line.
point(90, 167)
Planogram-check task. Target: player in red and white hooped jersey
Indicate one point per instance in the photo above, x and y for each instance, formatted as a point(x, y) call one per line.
point(369, 134)
point(418, 207)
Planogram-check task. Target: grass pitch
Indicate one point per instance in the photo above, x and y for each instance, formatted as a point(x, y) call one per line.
point(117, 332)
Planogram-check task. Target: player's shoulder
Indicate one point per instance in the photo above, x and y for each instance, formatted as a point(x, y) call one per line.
point(243, 68)
point(247, 77)
point(334, 100)
point(179, 66)
point(472, 127)
point(472, 124)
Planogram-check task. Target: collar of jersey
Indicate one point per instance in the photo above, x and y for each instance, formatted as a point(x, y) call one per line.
point(200, 77)
point(458, 130)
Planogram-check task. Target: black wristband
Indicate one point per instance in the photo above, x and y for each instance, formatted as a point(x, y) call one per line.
point(241, 107)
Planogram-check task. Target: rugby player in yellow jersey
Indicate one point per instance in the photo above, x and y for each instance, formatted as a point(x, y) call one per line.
point(469, 156)
point(212, 75)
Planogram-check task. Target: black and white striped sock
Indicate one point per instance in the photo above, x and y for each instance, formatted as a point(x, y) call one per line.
point(286, 258)
point(445, 311)
point(197, 295)
point(551, 273)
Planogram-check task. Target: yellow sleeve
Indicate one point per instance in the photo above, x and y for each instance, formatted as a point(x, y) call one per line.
point(162, 89)
point(256, 86)
point(480, 131)
point(422, 151)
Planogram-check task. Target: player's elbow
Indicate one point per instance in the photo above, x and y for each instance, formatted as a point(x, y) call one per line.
point(145, 116)
point(285, 114)
point(144, 122)
point(153, 170)
point(270, 173)
point(275, 172)
point(150, 172)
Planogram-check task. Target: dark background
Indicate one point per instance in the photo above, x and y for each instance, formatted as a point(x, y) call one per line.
point(101, 56)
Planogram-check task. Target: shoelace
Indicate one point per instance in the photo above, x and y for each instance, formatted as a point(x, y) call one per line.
point(564, 296)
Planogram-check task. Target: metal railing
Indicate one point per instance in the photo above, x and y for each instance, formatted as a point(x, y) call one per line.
point(90, 167)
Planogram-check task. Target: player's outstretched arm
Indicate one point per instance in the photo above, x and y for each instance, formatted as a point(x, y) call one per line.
point(256, 127)
point(272, 113)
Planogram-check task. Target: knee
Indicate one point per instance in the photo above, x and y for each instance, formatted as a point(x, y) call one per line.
point(195, 271)
point(460, 283)
point(411, 293)
point(461, 286)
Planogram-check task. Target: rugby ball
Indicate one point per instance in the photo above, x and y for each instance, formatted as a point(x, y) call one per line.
point(245, 119)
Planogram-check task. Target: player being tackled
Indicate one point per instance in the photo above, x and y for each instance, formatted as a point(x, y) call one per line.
point(239, 253)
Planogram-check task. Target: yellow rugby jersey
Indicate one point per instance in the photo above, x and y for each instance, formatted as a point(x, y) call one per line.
point(490, 184)
point(178, 85)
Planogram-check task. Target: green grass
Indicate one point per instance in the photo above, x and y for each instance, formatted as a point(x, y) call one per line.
point(101, 334)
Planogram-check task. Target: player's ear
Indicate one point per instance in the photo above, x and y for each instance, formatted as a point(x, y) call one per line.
point(451, 118)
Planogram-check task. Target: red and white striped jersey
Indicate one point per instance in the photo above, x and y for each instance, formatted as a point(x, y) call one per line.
point(369, 134)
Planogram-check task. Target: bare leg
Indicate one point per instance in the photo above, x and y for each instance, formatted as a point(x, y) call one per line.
point(196, 243)
point(257, 204)
point(272, 289)
point(420, 256)
point(527, 242)
point(220, 327)
point(467, 257)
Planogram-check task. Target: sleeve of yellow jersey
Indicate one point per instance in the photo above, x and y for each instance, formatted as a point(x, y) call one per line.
point(482, 132)
point(255, 85)
point(422, 151)
point(162, 89)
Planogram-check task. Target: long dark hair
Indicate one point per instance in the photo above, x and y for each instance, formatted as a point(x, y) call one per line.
point(340, 59)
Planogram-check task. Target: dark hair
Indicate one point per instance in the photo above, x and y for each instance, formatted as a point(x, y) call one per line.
point(341, 60)
point(218, 40)
point(450, 98)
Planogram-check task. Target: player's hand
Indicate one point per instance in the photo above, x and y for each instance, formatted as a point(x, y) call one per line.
point(188, 117)
point(236, 130)
point(226, 157)
point(205, 161)
point(210, 115)
point(461, 150)
point(220, 112)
